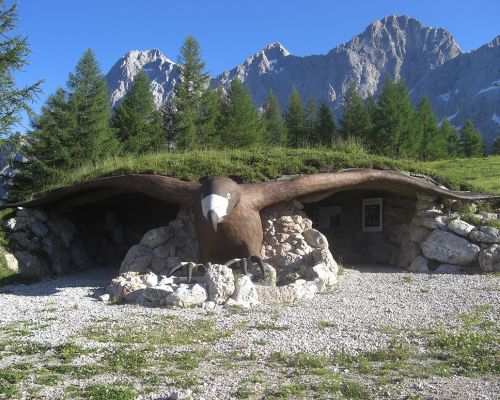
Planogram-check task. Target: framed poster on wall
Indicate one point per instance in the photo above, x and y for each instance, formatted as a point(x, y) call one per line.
point(372, 215)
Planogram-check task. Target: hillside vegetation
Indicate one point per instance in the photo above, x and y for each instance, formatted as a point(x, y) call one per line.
point(253, 165)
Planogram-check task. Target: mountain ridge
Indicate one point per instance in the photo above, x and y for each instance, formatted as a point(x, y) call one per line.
point(397, 45)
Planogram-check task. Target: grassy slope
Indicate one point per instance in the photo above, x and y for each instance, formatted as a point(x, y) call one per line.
point(253, 165)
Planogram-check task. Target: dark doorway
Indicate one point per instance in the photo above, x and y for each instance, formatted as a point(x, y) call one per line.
point(364, 226)
point(108, 228)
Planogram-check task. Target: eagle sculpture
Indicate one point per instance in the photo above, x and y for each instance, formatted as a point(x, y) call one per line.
point(226, 214)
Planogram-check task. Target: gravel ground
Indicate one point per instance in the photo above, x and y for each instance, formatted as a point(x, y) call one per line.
point(364, 304)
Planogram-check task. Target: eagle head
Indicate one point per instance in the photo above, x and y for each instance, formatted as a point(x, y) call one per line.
point(219, 196)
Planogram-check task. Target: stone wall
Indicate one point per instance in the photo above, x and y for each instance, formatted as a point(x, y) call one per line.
point(449, 245)
point(298, 265)
point(44, 244)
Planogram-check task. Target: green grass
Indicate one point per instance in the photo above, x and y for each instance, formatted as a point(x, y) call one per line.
point(108, 392)
point(260, 164)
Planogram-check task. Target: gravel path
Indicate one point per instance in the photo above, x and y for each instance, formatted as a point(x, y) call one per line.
point(365, 304)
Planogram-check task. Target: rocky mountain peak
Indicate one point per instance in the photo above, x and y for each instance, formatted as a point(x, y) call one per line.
point(275, 50)
point(162, 72)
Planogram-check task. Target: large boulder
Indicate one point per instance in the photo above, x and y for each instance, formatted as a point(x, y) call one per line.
point(245, 293)
point(489, 258)
point(156, 237)
point(448, 269)
point(31, 265)
point(315, 239)
point(38, 227)
point(420, 265)
point(11, 262)
point(485, 234)
point(322, 276)
point(128, 286)
point(449, 248)
point(409, 251)
point(187, 296)
point(460, 227)
point(57, 253)
point(157, 295)
point(418, 233)
point(138, 259)
point(220, 283)
point(276, 294)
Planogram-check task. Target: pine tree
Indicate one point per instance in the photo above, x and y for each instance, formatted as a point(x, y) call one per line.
point(324, 128)
point(295, 120)
point(168, 115)
point(275, 131)
point(239, 124)
point(207, 124)
point(452, 138)
point(410, 136)
point(356, 120)
point(395, 129)
point(48, 148)
point(434, 143)
point(93, 136)
point(13, 53)
point(495, 150)
point(137, 122)
point(471, 140)
point(311, 112)
point(189, 93)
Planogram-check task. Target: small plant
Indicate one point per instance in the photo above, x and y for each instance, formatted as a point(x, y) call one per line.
point(108, 392)
point(325, 324)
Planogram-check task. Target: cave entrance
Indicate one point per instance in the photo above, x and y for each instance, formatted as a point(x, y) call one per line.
point(365, 227)
point(108, 228)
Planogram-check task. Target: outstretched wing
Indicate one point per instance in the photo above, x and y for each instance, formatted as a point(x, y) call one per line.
point(310, 188)
point(160, 187)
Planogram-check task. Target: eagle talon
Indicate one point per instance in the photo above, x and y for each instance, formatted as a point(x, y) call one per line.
point(191, 266)
point(244, 264)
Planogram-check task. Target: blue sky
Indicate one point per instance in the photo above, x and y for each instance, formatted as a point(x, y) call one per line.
point(228, 31)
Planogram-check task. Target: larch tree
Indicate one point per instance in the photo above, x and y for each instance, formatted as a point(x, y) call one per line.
point(190, 93)
point(471, 140)
point(311, 112)
point(14, 51)
point(239, 124)
point(137, 121)
point(275, 131)
point(452, 138)
point(89, 101)
point(356, 120)
point(434, 142)
point(168, 115)
point(325, 129)
point(48, 148)
point(495, 150)
point(295, 120)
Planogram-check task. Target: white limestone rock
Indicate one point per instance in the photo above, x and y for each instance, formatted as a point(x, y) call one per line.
point(11, 262)
point(245, 292)
point(150, 279)
point(220, 283)
point(16, 224)
point(187, 296)
point(305, 289)
point(325, 256)
point(156, 237)
point(128, 286)
point(315, 239)
point(138, 259)
point(157, 295)
point(460, 227)
point(489, 258)
point(449, 248)
point(322, 276)
point(420, 265)
point(485, 234)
